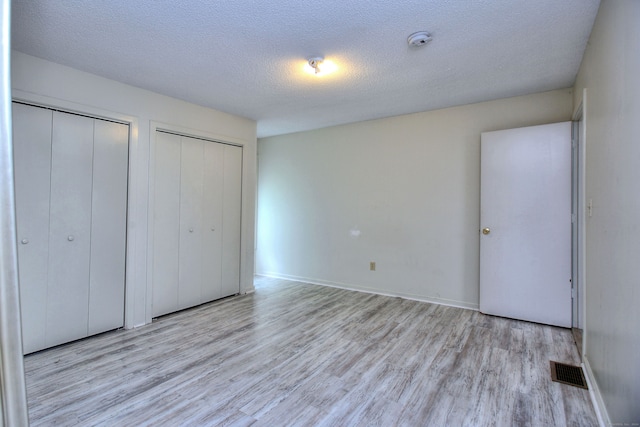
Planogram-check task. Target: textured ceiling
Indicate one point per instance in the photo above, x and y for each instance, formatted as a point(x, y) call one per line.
point(246, 56)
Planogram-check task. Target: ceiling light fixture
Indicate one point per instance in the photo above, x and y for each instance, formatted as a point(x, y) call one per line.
point(420, 38)
point(315, 64)
point(319, 66)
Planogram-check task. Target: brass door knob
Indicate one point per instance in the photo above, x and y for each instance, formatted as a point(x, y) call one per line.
point(486, 230)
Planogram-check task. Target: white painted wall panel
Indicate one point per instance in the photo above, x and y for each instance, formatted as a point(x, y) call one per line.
point(108, 226)
point(32, 158)
point(166, 223)
point(69, 228)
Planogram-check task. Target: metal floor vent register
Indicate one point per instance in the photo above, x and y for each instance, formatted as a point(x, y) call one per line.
point(568, 374)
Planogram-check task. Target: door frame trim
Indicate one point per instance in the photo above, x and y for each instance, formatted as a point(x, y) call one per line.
point(13, 395)
point(578, 249)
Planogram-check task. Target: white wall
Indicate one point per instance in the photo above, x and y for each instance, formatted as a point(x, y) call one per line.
point(51, 84)
point(403, 192)
point(610, 71)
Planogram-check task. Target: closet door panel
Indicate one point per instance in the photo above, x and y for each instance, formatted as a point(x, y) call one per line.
point(32, 159)
point(166, 220)
point(232, 202)
point(108, 226)
point(212, 237)
point(191, 229)
point(69, 228)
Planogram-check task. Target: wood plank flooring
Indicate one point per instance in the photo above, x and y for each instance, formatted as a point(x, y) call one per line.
point(293, 354)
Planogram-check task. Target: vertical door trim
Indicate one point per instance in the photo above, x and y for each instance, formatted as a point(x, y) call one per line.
point(13, 396)
point(579, 251)
point(575, 297)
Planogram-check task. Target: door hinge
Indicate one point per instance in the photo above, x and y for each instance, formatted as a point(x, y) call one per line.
point(573, 143)
point(573, 218)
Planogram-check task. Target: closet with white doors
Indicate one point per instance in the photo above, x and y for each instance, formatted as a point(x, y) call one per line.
point(71, 209)
point(197, 188)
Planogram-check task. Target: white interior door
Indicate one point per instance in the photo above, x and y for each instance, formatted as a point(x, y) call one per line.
point(525, 217)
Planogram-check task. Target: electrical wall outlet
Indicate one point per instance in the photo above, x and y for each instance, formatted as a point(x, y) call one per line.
point(372, 266)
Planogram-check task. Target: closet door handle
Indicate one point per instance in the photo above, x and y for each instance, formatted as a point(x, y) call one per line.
point(24, 241)
point(191, 230)
point(70, 238)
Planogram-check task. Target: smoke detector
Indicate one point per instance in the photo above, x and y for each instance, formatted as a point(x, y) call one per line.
point(420, 38)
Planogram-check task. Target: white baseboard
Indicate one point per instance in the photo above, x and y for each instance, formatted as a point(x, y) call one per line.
point(596, 397)
point(352, 287)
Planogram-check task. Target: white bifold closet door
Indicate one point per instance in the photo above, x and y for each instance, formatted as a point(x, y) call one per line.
point(71, 198)
point(108, 226)
point(32, 170)
point(196, 220)
point(69, 228)
point(231, 214)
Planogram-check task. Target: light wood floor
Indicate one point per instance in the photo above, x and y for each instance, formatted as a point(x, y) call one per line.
point(296, 354)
